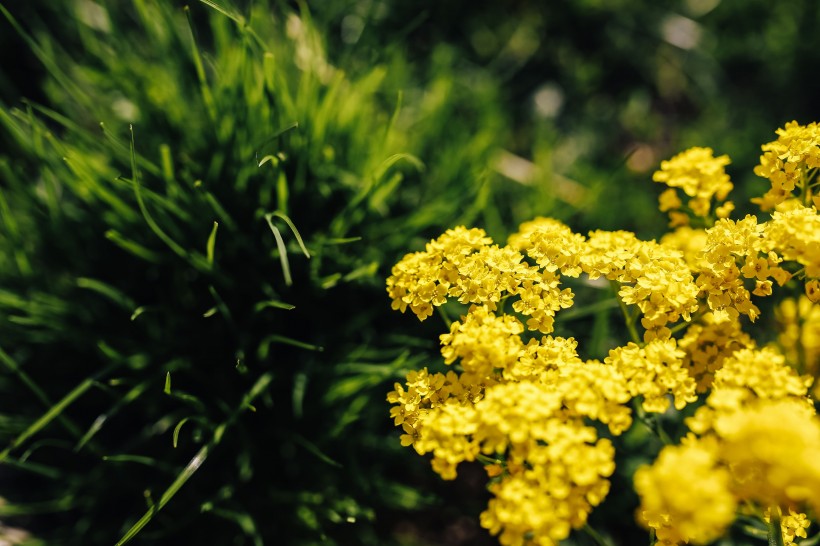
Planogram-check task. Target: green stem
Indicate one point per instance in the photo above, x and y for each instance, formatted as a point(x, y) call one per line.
point(629, 318)
point(685, 324)
point(487, 460)
point(775, 532)
point(807, 186)
point(800, 346)
point(651, 422)
point(444, 316)
point(596, 536)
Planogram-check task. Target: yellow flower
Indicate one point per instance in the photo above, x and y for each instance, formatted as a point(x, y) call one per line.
point(541, 501)
point(596, 391)
point(654, 277)
point(448, 434)
point(551, 244)
point(669, 200)
point(685, 494)
point(748, 375)
point(736, 250)
point(812, 289)
point(708, 344)
point(793, 525)
point(771, 447)
point(787, 161)
point(483, 341)
point(654, 371)
point(795, 236)
point(689, 241)
point(542, 357)
point(540, 298)
point(799, 325)
point(700, 175)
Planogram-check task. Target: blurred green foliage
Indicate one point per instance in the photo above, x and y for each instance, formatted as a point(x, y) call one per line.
point(151, 346)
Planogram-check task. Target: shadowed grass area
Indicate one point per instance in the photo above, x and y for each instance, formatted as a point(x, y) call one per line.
point(196, 225)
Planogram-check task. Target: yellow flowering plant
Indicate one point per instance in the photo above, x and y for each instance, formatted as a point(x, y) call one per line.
point(545, 421)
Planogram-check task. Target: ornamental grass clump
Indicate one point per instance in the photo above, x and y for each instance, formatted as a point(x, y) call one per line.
point(731, 406)
point(192, 226)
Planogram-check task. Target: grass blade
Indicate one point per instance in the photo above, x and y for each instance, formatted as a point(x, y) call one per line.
point(15, 369)
point(108, 291)
point(283, 253)
point(54, 412)
point(264, 346)
point(211, 244)
point(207, 97)
point(295, 231)
point(196, 462)
point(145, 214)
point(272, 303)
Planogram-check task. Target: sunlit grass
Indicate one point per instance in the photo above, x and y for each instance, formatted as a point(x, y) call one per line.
point(195, 231)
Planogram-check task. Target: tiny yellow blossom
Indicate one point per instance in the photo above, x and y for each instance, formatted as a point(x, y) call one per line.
point(690, 242)
point(542, 501)
point(792, 525)
point(812, 289)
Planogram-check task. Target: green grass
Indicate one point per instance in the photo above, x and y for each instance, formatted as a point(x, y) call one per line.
point(196, 225)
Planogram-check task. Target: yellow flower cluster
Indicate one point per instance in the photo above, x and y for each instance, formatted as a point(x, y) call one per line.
point(688, 240)
point(758, 440)
point(795, 235)
point(749, 375)
point(789, 162)
point(653, 372)
point(539, 502)
point(702, 177)
point(422, 280)
point(483, 341)
point(543, 419)
point(771, 449)
point(654, 277)
point(694, 505)
point(424, 392)
point(799, 322)
point(551, 244)
point(707, 344)
point(733, 253)
point(555, 467)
